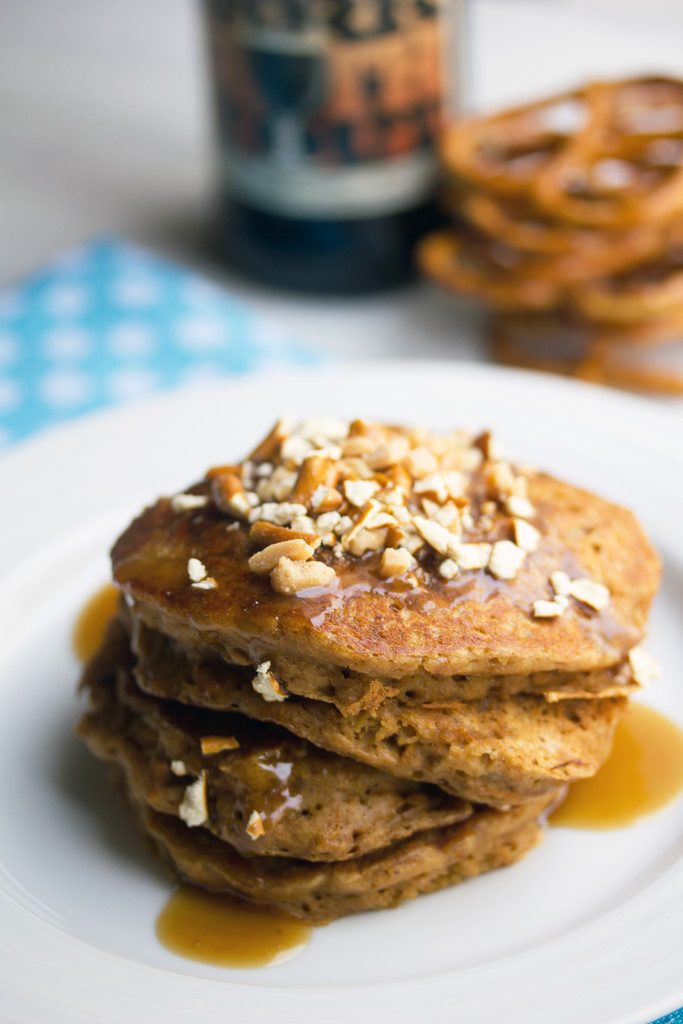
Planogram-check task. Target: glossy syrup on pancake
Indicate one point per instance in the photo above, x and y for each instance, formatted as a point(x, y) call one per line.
point(363, 604)
point(311, 804)
point(227, 932)
point(389, 627)
point(443, 597)
point(643, 773)
point(325, 552)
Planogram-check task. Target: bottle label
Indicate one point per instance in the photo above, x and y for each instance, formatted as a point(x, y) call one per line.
point(328, 108)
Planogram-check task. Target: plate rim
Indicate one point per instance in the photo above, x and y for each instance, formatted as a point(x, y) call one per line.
point(62, 431)
point(61, 437)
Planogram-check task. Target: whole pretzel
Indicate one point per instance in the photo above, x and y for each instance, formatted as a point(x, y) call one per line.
point(608, 368)
point(654, 195)
point(648, 290)
point(457, 264)
point(503, 152)
point(545, 342)
point(510, 279)
point(655, 332)
point(517, 224)
point(574, 255)
point(593, 357)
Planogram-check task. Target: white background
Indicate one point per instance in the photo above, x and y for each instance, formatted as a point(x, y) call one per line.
point(104, 126)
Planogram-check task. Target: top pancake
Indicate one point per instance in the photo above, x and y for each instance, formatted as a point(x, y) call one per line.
point(363, 618)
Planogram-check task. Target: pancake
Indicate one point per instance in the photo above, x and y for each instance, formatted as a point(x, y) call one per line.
point(361, 664)
point(312, 804)
point(319, 893)
point(483, 621)
point(493, 751)
point(352, 691)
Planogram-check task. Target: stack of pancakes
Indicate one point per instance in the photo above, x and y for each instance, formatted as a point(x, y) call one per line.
point(364, 663)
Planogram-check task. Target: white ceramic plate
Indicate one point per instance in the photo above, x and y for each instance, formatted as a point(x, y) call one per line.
point(586, 929)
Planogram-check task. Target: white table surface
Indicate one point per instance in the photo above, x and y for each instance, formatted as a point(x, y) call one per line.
point(104, 127)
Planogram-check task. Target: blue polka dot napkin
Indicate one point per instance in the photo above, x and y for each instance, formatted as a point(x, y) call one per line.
point(108, 322)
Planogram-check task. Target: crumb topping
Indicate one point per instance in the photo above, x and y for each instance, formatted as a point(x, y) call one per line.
point(255, 826)
point(324, 491)
point(208, 583)
point(644, 667)
point(193, 809)
point(547, 609)
point(583, 589)
point(188, 502)
point(211, 745)
point(264, 561)
point(396, 562)
point(290, 577)
point(560, 582)
point(473, 556)
point(590, 592)
point(266, 685)
point(518, 506)
point(449, 569)
point(527, 537)
point(196, 570)
point(338, 489)
point(506, 560)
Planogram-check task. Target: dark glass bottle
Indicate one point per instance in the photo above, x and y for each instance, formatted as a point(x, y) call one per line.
point(327, 112)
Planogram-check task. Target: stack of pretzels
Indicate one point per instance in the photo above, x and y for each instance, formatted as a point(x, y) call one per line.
point(568, 224)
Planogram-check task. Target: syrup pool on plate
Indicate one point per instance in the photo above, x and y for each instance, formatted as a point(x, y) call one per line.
point(196, 924)
point(226, 932)
point(92, 621)
point(643, 773)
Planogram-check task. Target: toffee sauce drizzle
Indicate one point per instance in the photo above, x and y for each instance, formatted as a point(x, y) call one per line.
point(643, 773)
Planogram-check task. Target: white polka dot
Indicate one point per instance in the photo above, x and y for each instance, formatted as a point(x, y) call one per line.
point(201, 373)
point(63, 388)
point(72, 259)
point(201, 291)
point(9, 348)
point(128, 259)
point(131, 384)
point(269, 335)
point(136, 291)
point(65, 299)
point(66, 344)
point(10, 304)
point(202, 334)
point(269, 331)
point(130, 340)
point(10, 394)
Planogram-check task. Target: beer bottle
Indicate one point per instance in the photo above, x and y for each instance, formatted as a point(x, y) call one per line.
point(327, 112)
